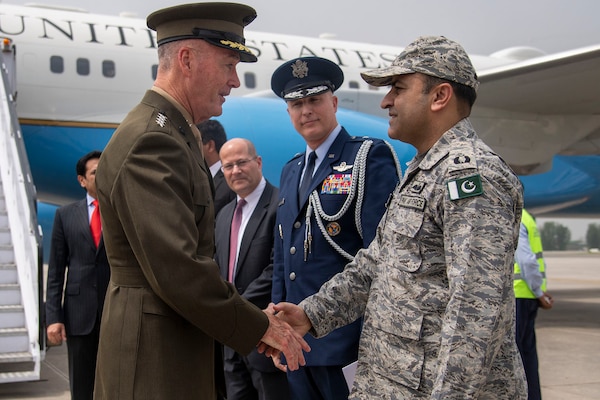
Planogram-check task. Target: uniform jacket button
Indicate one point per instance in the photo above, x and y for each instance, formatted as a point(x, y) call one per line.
point(292, 276)
point(292, 250)
point(297, 224)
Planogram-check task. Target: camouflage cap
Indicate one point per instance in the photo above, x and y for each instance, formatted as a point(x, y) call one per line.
point(220, 24)
point(429, 55)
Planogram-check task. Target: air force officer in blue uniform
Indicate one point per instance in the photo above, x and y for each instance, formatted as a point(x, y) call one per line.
point(329, 207)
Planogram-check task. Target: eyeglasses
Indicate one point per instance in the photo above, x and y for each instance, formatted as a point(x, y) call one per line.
point(240, 164)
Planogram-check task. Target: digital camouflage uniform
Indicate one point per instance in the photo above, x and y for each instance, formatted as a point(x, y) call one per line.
point(435, 285)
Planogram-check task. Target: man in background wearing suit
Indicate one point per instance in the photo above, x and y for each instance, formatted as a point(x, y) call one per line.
point(77, 254)
point(213, 138)
point(249, 241)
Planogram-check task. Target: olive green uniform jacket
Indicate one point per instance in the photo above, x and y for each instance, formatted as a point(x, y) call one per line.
point(166, 303)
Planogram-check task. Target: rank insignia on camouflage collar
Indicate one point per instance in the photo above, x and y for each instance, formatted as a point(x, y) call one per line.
point(462, 188)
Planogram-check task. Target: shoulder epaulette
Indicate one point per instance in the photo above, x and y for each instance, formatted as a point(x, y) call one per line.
point(296, 156)
point(359, 138)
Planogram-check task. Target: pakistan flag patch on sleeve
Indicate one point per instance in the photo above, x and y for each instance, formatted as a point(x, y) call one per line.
point(465, 187)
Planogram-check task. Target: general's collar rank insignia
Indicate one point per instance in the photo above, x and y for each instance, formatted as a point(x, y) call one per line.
point(465, 187)
point(343, 167)
point(333, 228)
point(161, 119)
point(300, 69)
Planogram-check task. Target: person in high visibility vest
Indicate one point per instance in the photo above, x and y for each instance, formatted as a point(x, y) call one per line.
point(530, 292)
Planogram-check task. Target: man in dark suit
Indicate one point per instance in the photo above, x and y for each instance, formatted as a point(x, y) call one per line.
point(346, 181)
point(213, 138)
point(167, 306)
point(76, 256)
point(249, 255)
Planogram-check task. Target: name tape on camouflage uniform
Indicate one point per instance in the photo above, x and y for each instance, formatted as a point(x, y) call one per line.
point(416, 202)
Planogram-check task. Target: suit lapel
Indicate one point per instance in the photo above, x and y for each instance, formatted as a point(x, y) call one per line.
point(254, 223)
point(228, 216)
point(294, 179)
point(83, 221)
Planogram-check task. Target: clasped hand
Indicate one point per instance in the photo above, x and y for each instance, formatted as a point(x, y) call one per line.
point(287, 325)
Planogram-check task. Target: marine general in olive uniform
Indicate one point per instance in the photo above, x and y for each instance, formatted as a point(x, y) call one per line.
point(166, 304)
point(319, 230)
point(435, 285)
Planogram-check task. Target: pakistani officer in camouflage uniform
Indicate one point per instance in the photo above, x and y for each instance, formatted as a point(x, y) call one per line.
point(435, 285)
point(320, 229)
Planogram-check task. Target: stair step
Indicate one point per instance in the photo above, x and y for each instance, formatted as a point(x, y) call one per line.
point(21, 356)
point(10, 293)
point(13, 340)
point(19, 376)
point(12, 316)
point(3, 218)
point(7, 254)
point(5, 237)
point(8, 273)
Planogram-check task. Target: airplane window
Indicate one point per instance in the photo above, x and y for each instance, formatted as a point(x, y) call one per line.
point(109, 69)
point(250, 80)
point(353, 85)
point(154, 71)
point(57, 64)
point(83, 66)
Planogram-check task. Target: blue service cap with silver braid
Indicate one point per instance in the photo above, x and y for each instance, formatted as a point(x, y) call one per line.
point(306, 76)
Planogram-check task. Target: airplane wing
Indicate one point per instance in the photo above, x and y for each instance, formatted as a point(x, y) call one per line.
point(530, 111)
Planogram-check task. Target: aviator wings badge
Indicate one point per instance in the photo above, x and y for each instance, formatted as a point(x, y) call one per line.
point(343, 167)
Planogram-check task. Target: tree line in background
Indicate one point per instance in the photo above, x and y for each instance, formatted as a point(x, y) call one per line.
point(558, 237)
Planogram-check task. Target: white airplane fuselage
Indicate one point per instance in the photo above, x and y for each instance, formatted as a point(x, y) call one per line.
point(78, 74)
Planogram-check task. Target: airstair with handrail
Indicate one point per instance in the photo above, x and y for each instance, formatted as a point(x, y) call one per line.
point(22, 338)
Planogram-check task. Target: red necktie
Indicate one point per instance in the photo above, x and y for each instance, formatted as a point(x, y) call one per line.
point(95, 225)
point(233, 237)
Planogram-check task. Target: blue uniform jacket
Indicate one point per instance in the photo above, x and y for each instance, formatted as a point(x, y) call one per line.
point(295, 279)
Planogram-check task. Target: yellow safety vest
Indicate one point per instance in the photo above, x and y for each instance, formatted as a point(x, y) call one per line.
point(522, 291)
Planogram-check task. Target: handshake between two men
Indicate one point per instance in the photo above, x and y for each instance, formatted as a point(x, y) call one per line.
point(280, 339)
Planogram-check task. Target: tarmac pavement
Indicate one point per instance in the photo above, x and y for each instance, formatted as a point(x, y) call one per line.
point(568, 338)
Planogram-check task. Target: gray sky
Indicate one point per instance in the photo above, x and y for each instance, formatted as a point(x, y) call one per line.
point(481, 26)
